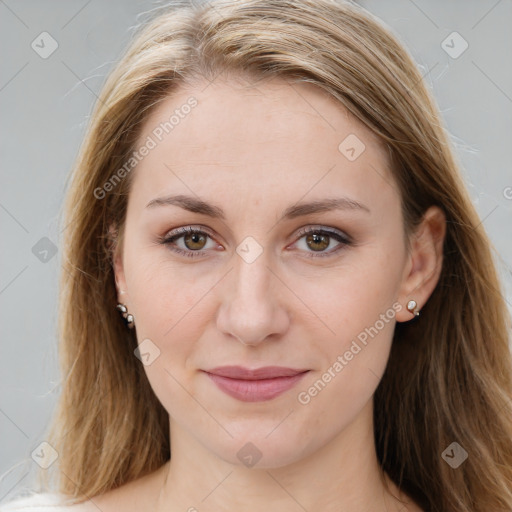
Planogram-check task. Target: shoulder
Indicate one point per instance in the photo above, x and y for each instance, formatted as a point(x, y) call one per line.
point(44, 502)
point(131, 497)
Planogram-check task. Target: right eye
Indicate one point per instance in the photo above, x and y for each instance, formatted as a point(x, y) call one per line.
point(188, 241)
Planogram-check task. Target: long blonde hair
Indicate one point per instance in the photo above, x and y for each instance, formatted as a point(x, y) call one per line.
point(449, 377)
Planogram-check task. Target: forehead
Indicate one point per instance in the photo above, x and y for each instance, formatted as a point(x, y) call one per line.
point(265, 136)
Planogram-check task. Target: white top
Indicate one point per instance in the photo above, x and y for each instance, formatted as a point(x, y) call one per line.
point(39, 502)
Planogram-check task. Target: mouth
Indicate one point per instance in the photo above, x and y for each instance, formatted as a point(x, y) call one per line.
point(257, 385)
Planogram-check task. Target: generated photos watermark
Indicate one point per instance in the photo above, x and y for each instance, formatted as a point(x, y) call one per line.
point(361, 341)
point(151, 142)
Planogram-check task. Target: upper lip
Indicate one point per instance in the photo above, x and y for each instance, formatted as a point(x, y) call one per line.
point(265, 372)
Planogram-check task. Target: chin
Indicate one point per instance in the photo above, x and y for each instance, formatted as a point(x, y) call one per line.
point(265, 451)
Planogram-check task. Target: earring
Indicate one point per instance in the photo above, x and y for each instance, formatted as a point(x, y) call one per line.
point(411, 307)
point(130, 320)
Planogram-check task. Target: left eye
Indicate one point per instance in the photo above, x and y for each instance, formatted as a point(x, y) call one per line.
point(315, 240)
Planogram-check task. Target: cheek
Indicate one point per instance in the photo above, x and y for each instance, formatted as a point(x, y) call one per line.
point(169, 311)
point(356, 313)
point(163, 294)
point(351, 297)
point(334, 396)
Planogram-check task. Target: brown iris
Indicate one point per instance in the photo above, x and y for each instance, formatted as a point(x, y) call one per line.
point(194, 241)
point(317, 241)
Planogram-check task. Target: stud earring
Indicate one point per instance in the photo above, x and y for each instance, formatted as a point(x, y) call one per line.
point(130, 320)
point(411, 307)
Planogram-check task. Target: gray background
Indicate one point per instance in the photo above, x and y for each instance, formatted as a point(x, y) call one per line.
point(45, 104)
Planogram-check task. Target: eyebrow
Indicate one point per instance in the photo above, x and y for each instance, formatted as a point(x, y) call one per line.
point(195, 205)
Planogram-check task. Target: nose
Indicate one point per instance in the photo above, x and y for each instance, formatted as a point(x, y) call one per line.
point(252, 308)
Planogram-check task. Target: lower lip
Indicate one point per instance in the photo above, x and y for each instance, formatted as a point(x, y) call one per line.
point(255, 390)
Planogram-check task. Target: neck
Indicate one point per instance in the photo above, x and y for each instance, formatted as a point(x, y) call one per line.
point(343, 475)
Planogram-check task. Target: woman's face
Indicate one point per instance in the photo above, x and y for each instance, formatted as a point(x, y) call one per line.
point(296, 259)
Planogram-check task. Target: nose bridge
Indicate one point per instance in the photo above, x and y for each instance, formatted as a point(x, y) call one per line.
point(250, 309)
point(252, 281)
point(251, 278)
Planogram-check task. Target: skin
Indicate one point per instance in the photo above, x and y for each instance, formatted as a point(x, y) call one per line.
point(253, 151)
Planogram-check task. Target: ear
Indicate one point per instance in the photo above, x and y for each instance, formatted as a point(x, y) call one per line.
point(116, 258)
point(424, 263)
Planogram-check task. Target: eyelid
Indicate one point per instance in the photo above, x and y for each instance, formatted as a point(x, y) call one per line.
point(315, 228)
point(186, 229)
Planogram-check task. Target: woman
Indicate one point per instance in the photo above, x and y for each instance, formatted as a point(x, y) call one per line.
point(276, 291)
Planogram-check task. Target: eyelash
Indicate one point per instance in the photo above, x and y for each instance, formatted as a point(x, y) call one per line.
point(168, 240)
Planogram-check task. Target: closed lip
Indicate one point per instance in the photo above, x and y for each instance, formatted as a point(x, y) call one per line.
point(265, 372)
point(255, 385)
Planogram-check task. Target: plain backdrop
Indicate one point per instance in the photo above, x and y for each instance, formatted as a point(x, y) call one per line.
point(45, 102)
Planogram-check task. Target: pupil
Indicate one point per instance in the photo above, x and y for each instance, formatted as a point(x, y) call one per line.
point(195, 238)
point(323, 240)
